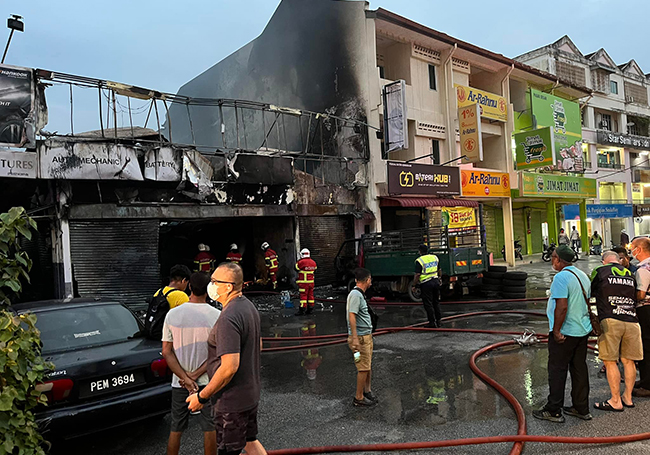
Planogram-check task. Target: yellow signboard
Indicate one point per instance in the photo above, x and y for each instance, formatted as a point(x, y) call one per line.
point(469, 127)
point(485, 184)
point(492, 106)
point(460, 217)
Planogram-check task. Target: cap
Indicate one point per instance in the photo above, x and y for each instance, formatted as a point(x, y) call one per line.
point(565, 253)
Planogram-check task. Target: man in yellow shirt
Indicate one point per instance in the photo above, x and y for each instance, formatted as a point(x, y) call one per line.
point(179, 278)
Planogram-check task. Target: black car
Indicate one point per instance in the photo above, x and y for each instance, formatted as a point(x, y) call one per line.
point(105, 373)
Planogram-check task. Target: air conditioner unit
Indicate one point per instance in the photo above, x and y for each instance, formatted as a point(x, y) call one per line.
point(629, 99)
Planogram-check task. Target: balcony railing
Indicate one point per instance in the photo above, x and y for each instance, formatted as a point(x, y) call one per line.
point(610, 166)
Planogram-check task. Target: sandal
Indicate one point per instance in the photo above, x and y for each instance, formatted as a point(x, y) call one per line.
point(627, 405)
point(605, 406)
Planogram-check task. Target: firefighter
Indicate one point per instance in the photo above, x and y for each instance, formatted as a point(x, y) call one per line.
point(306, 268)
point(271, 260)
point(204, 261)
point(311, 359)
point(233, 255)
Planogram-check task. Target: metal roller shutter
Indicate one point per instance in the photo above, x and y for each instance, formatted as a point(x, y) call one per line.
point(116, 260)
point(323, 236)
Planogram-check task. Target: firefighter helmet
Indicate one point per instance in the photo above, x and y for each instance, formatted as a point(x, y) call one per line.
point(304, 253)
point(265, 245)
point(203, 247)
point(233, 247)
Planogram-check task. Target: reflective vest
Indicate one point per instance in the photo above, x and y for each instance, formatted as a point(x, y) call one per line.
point(596, 240)
point(306, 268)
point(271, 259)
point(203, 261)
point(233, 257)
point(429, 264)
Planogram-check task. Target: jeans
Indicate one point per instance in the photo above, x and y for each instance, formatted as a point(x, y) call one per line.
point(430, 299)
point(643, 314)
point(598, 249)
point(563, 358)
point(575, 244)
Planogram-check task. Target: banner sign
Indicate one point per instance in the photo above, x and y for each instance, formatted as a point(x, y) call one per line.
point(548, 185)
point(424, 179)
point(16, 105)
point(163, 164)
point(572, 211)
point(565, 118)
point(641, 209)
point(395, 122)
point(535, 148)
point(622, 140)
point(492, 106)
point(88, 161)
point(18, 164)
point(485, 184)
point(459, 217)
point(471, 140)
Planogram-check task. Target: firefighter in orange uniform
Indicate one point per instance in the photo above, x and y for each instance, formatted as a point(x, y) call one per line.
point(204, 261)
point(271, 260)
point(306, 267)
point(311, 359)
point(233, 255)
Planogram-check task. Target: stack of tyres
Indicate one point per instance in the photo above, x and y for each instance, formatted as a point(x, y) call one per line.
point(514, 285)
point(493, 281)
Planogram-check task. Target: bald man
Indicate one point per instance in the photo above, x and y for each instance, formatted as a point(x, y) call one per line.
point(233, 365)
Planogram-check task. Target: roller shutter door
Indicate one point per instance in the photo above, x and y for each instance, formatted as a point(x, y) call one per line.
point(323, 236)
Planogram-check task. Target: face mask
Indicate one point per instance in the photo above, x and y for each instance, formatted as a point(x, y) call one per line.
point(213, 292)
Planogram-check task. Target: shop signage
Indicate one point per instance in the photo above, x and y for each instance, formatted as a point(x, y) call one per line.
point(459, 217)
point(535, 148)
point(492, 106)
point(163, 164)
point(623, 140)
point(477, 183)
point(16, 106)
point(641, 209)
point(471, 140)
point(572, 211)
point(565, 119)
point(557, 186)
point(425, 179)
point(396, 135)
point(18, 164)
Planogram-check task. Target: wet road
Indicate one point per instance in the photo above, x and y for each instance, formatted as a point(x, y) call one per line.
point(423, 380)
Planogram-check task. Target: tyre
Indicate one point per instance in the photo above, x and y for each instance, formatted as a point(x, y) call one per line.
point(494, 275)
point(518, 295)
point(514, 289)
point(515, 283)
point(415, 294)
point(492, 281)
point(491, 287)
point(546, 256)
point(515, 276)
point(497, 268)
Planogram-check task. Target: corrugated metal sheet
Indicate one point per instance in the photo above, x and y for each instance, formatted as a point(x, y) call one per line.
point(115, 260)
point(324, 235)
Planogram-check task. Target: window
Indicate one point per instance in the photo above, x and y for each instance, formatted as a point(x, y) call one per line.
point(432, 77)
point(606, 122)
point(381, 72)
point(613, 87)
point(435, 151)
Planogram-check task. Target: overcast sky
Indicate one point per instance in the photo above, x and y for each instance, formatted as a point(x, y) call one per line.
point(163, 44)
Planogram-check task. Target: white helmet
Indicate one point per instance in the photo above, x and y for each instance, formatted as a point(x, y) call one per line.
point(265, 245)
point(203, 247)
point(304, 253)
point(233, 246)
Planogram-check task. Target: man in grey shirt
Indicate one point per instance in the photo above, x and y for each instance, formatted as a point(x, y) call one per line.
point(360, 337)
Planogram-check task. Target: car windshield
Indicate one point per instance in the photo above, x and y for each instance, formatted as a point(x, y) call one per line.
point(64, 329)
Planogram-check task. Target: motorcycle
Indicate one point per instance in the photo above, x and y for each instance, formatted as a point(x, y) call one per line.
point(548, 252)
point(518, 251)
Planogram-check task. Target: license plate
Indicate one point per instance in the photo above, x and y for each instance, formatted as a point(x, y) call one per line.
point(110, 384)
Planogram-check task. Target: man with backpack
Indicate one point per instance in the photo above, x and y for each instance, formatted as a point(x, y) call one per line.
point(165, 299)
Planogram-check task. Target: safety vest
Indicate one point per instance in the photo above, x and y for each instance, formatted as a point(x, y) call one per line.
point(233, 257)
point(429, 264)
point(271, 259)
point(306, 268)
point(596, 240)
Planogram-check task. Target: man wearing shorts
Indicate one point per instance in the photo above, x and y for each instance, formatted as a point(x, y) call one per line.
point(614, 288)
point(233, 365)
point(360, 337)
point(185, 348)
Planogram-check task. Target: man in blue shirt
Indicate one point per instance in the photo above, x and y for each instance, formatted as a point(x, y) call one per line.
point(569, 325)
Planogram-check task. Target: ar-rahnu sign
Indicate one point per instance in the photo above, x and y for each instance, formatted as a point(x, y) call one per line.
point(478, 183)
point(492, 106)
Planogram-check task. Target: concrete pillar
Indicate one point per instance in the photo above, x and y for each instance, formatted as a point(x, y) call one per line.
point(584, 236)
point(590, 118)
point(551, 219)
point(508, 231)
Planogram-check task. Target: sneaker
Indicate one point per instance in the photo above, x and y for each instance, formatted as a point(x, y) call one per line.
point(363, 403)
point(640, 392)
point(543, 414)
point(571, 411)
point(371, 396)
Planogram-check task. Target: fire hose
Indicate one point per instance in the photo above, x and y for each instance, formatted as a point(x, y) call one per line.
point(519, 439)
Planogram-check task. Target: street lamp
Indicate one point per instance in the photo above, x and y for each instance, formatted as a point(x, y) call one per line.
point(14, 23)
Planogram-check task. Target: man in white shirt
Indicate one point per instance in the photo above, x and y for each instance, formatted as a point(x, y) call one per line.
point(185, 348)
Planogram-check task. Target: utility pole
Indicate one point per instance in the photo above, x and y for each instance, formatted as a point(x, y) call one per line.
point(14, 23)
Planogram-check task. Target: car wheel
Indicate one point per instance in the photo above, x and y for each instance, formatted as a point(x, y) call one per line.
point(515, 276)
point(497, 268)
point(415, 294)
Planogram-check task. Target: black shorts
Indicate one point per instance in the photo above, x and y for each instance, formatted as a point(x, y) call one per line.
point(181, 413)
point(235, 429)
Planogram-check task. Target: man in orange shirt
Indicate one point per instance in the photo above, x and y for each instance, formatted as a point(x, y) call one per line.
point(306, 267)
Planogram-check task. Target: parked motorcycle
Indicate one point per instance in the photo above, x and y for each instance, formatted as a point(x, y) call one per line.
point(548, 251)
point(518, 251)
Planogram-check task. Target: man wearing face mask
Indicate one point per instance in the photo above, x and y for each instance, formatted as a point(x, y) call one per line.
point(567, 343)
point(233, 365)
point(641, 251)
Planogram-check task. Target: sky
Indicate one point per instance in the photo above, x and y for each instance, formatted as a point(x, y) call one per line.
point(163, 44)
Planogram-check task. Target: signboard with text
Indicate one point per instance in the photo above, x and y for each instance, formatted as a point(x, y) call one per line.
point(460, 217)
point(18, 164)
point(572, 211)
point(556, 186)
point(16, 106)
point(623, 140)
point(163, 164)
point(492, 106)
point(469, 128)
point(535, 148)
point(424, 179)
point(485, 184)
